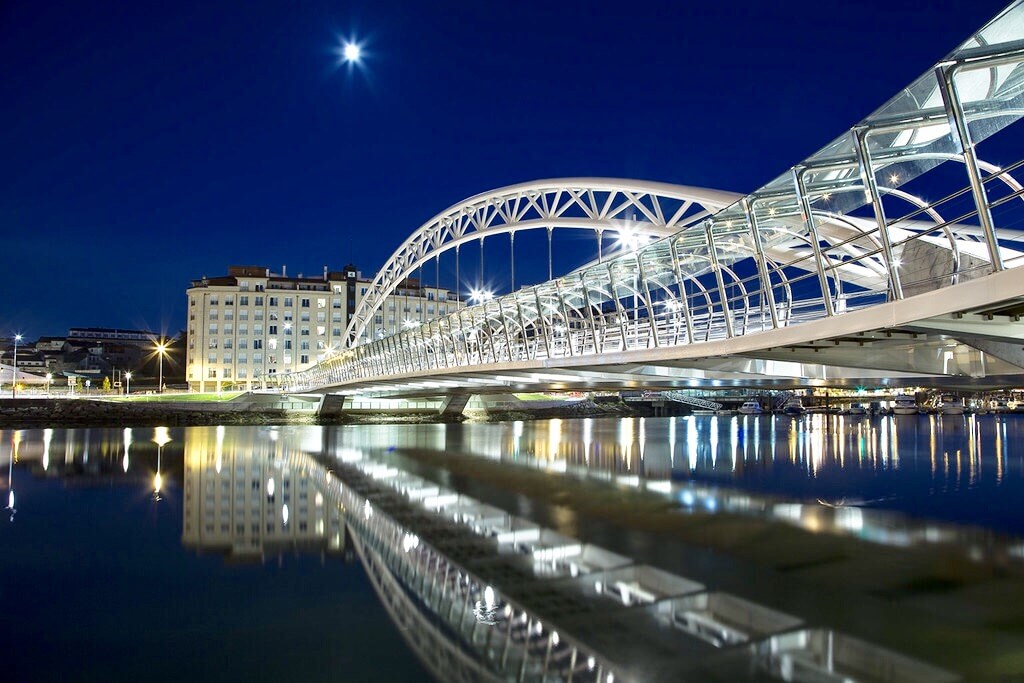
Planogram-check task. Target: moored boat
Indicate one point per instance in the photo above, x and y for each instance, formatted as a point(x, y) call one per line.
point(750, 408)
point(905, 404)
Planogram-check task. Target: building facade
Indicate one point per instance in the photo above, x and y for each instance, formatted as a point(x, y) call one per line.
point(251, 326)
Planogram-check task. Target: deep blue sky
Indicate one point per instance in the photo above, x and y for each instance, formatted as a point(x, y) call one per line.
point(144, 144)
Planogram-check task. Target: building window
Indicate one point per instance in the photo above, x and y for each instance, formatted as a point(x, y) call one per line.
point(244, 285)
point(211, 358)
point(257, 359)
point(213, 328)
point(257, 315)
point(304, 331)
point(242, 372)
point(272, 329)
point(336, 331)
point(213, 315)
point(242, 359)
point(304, 317)
point(243, 343)
point(321, 330)
point(304, 345)
point(213, 300)
point(337, 289)
point(243, 314)
point(259, 301)
point(273, 301)
point(288, 302)
point(305, 303)
point(287, 343)
point(304, 358)
point(257, 343)
point(287, 360)
point(243, 300)
point(212, 373)
point(229, 301)
point(272, 343)
point(335, 303)
point(227, 343)
point(213, 343)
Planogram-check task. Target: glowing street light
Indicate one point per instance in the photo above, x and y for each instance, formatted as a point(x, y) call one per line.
point(49, 381)
point(629, 239)
point(127, 383)
point(161, 350)
point(161, 438)
point(480, 295)
point(14, 377)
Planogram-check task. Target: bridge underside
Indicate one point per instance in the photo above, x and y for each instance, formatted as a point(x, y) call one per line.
point(958, 346)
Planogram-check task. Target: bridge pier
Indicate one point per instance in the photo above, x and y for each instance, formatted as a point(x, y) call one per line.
point(332, 405)
point(454, 405)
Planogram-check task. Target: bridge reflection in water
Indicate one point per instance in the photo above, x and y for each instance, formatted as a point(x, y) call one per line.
point(480, 594)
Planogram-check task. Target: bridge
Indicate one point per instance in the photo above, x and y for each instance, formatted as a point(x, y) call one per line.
point(890, 256)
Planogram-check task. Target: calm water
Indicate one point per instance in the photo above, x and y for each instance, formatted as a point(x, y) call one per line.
point(202, 553)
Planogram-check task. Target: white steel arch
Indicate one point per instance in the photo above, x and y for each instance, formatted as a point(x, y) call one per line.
point(648, 208)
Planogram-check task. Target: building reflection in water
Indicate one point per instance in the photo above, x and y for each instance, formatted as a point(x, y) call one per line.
point(247, 499)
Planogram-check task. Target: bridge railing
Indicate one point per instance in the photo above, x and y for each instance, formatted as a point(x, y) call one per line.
point(819, 240)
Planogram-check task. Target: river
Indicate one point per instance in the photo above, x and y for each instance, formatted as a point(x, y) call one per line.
point(212, 552)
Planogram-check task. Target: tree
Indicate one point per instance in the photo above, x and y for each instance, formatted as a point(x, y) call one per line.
point(106, 384)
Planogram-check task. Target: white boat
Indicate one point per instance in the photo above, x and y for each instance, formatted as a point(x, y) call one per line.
point(951, 406)
point(906, 404)
point(793, 406)
point(750, 408)
point(856, 409)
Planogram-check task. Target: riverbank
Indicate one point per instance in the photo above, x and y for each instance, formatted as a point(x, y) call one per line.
point(41, 413)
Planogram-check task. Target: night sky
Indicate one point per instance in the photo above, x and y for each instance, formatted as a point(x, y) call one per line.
point(145, 144)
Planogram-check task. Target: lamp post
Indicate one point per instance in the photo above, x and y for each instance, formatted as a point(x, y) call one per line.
point(161, 349)
point(49, 381)
point(127, 383)
point(14, 376)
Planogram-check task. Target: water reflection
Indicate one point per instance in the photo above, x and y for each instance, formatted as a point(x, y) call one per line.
point(481, 594)
point(248, 499)
point(898, 480)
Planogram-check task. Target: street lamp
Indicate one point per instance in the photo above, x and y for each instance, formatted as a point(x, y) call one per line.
point(161, 349)
point(127, 383)
point(49, 381)
point(14, 377)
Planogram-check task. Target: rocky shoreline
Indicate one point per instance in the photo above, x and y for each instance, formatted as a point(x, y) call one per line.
point(63, 413)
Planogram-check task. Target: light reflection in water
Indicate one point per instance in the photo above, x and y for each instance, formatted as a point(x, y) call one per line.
point(817, 469)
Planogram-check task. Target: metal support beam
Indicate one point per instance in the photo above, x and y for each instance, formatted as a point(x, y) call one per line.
point(767, 293)
point(723, 299)
point(677, 270)
point(812, 229)
point(945, 75)
point(867, 174)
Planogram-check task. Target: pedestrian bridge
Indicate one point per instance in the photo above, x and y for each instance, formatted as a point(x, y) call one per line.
point(891, 255)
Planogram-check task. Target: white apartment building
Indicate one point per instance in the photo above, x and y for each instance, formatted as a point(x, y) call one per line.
point(251, 325)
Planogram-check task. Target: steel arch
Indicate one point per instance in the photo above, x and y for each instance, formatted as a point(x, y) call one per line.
point(599, 204)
